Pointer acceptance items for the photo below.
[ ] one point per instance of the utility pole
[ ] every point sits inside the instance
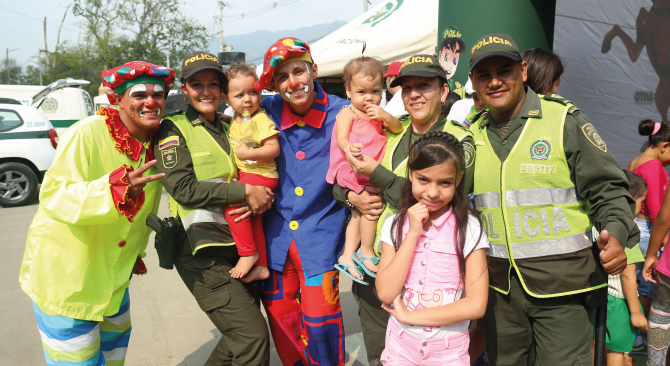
(222, 47)
(221, 26)
(167, 56)
(365, 6)
(7, 51)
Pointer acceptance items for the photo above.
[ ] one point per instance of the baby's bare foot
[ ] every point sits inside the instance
(256, 273)
(243, 266)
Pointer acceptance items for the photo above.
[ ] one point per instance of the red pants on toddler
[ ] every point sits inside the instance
(248, 233)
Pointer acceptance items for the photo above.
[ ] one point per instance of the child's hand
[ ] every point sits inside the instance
(356, 150)
(418, 215)
(650, 267)
(399, 310)
(376, 112)
(639, 321)
(242, 151)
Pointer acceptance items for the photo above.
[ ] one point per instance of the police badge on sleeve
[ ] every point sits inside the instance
(594, 137)
(469, 152)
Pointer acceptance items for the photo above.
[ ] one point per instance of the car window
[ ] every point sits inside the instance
(89, 103)
(9, 120)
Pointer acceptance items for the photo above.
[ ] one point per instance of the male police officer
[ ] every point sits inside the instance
(543, 178)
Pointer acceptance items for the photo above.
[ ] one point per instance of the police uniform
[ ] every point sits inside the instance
(389, 177)
(195, 156)
(540, 187)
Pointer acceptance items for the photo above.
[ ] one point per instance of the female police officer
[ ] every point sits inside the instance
(194, 153)
(424, 90)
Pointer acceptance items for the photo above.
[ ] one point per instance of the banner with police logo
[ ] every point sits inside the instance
(617, 66)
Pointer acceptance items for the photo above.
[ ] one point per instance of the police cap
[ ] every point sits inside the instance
(198, 61)
(494, 45)
(425, 66)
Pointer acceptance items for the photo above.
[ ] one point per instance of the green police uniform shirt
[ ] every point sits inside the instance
(390, 184)
(596, 175)
(180, 181)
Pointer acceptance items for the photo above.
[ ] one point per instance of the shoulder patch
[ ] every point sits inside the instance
(470, 154)
(459, 125)
(169, 157)
(556, 98)
(168, 141)
(594, 137)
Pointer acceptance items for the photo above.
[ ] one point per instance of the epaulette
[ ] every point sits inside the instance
(572, 109)
(479, 115)
(404, 117)
(459, 125)
(556, 98)
(173, 113)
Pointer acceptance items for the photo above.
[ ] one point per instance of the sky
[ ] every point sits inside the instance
(21, 22)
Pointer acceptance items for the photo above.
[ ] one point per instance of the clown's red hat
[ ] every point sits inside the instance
(285, 50)
(118, 79)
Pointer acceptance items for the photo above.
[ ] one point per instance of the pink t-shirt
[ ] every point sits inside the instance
(657, 183)
(433, 278)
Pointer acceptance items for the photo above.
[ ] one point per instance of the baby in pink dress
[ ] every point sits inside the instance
(360, 127)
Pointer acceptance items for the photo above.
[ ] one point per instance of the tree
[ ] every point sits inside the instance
(119, 31)
(14, 72)
(126, 30)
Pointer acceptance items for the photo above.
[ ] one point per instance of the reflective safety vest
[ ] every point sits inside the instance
(529, 206)
(392, 142)
(204, 227)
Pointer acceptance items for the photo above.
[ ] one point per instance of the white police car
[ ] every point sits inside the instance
(27, 147)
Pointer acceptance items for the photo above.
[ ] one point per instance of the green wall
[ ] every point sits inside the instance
(529, 22)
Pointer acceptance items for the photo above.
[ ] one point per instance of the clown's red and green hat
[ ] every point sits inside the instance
(287, 49)
(119, 79)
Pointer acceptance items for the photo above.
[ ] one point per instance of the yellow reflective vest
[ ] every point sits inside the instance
(535, 221)
(204, 227)
(392, 142)
(80, 250)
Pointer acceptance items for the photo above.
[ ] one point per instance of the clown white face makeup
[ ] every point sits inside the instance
(294, 81)
(141, 109)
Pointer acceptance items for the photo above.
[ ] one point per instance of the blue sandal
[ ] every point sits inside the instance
(359, 258)
(344, 268)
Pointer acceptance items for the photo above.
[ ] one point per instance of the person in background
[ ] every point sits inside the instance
(201, 178)
(544, 70)
(650, 166)
(659, 315)
(89, 234)
(543, 178)
(452, 99)
(394, 107)
(462, 107)
(624, 312)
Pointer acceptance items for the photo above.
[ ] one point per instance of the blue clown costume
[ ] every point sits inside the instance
(305, 228)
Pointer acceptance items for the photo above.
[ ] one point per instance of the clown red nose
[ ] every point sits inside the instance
(294, 84)
(150, 104)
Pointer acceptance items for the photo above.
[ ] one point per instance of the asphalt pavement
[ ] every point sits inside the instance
(168, 326)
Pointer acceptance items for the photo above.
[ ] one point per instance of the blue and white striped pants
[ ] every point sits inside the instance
(74, 342)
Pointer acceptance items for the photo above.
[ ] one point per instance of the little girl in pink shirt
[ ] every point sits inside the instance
(359, 127)
(433, 265)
